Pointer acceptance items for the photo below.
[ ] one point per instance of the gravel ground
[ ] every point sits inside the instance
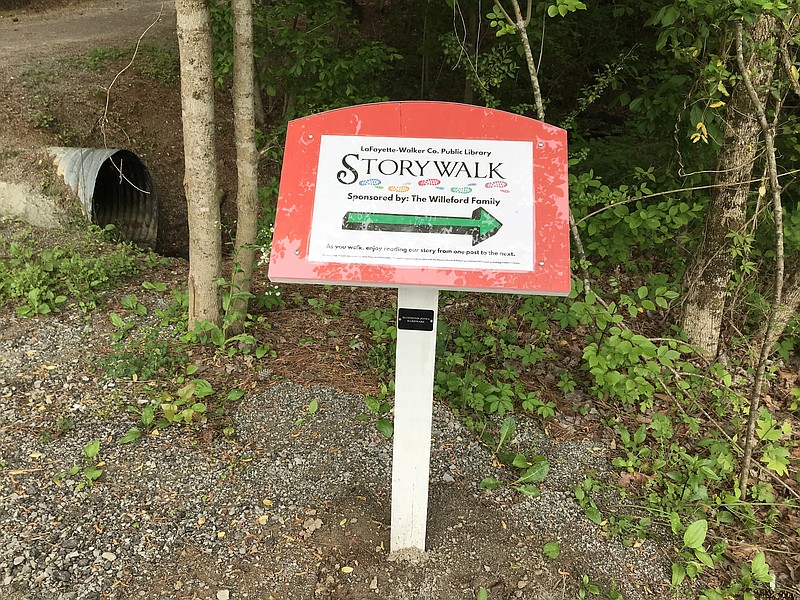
(279, 511)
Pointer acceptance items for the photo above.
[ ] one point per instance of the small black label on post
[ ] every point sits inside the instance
(415, 319)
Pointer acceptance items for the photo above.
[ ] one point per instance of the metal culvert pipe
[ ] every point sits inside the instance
(114, 188)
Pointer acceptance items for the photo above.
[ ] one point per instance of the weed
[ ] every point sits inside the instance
(181, 407)
(98, 57)
(582, 493)
(158, 63)
(754, 576)
(551, 550)
(88, 471)
(380, 406)
(143, 353)
(529, 472)
(44, 120)
(205, 332)
(588, 587)
(693, 555)
(44, 280)
(61, 426)
(311, 409)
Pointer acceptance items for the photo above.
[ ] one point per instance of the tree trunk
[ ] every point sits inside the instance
(788, 306)
(706, 279)
(200, 179)
(246, 157)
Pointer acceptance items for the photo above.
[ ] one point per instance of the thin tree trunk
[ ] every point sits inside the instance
(785, 309)
(246, 157)
(471, 42)
(706, 279)
(200, 179)
(521, 27)
(777, 211)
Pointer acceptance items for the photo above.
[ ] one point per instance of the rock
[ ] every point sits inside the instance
(109, 556)
(223, 595)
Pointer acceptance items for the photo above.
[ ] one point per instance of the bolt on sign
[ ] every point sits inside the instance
(422, 196)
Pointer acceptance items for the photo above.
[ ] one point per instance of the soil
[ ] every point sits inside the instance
(295, 503)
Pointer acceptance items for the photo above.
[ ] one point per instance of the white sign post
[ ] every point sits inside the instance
(413, 411)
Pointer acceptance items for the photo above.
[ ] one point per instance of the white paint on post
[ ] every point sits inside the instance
(413, 409)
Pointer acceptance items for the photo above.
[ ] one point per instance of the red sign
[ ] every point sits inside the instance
(431, 194)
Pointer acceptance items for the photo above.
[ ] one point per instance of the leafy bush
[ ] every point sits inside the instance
(310, 55)
(44, 280)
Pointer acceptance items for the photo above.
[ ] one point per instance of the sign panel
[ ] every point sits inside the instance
(423, 193)
(424, 203)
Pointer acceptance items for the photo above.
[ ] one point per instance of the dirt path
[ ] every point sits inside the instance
(25, 36)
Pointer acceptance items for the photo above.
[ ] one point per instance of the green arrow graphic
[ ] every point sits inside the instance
(481, 225)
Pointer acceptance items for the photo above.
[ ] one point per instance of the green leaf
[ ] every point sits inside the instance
(725, 517)
(372, 404)
(704, 558)
(529, 490)
(133, 434)
(760, 569)
(695, 534)
(116, 320)
(489, 483)
(594, 515)
(385, 427)
(675, 522)
(551, 549)
(313, 406)
(202, 388)
(482, 594)
(552, 10)
(640, 435)
(234, 395)
(148, 414)
(217, 337)
(91, 449)
(520, 462)
(92, 473)
(506, 431)
(536, 472)
(678, 574)
(776, 458)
